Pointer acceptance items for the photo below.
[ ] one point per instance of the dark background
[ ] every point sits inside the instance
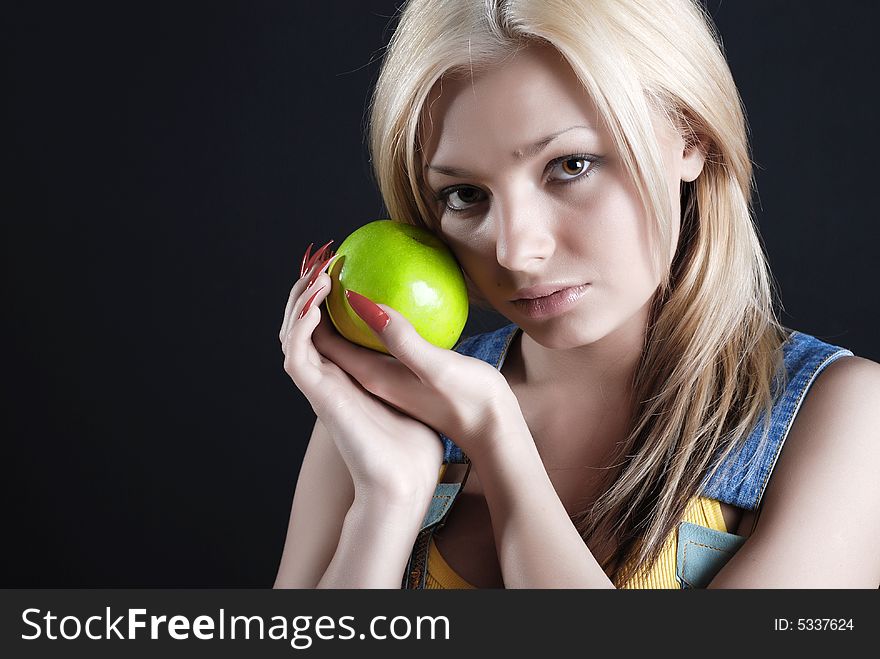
(166, 166)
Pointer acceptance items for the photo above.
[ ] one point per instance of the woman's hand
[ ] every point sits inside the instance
(463, 397)
(388, 453)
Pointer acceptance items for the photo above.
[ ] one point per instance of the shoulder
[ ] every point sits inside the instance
(820, 519)
(839, 422)
(841, 416)
(846, 378)
(848, 371)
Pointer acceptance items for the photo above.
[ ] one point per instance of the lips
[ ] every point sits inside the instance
(542, 290)
(551, 303)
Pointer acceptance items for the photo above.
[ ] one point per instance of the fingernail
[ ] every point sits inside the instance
(368, 310)
(328, 264)
(323, 267)
(302, 267)
(315, 275)
(308, 304)
(316, 257)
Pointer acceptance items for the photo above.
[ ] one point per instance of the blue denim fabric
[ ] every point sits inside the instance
(702, 552)
(740, 480)
(743, 477)
(441, 502)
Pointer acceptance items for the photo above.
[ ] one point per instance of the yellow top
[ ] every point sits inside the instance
(701, 510)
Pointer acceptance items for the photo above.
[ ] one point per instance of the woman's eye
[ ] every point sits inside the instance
(459, 199)
(572, 166)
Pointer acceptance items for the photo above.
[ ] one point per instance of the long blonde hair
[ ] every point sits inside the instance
(712, 342)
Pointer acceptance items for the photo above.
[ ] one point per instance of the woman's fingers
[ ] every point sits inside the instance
(423, 358)
(373, 370)
(313, 269)
(311, 298)
(302, 362)
(306, 259)
(295, 291)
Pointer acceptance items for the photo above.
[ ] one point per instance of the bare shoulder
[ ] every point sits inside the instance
(820, 520)
(840, 415)
(849, 372)
(841, 411)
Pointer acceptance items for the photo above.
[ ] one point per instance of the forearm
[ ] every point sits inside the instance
(537, 543)
(375, 544)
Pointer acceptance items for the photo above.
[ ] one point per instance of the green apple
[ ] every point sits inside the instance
(407, 268)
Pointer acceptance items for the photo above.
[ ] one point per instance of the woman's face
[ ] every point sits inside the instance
(531, 193)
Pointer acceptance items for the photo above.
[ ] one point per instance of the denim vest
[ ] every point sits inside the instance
(740, 480)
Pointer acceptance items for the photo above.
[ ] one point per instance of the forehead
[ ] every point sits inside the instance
(528, 95)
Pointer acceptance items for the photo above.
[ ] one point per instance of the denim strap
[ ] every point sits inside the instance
(743, 477)
(438, 511)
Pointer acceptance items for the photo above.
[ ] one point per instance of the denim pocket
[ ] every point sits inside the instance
(702, 552)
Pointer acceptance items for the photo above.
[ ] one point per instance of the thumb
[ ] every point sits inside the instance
(396, 333)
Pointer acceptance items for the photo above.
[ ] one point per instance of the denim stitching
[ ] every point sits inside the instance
(503, 354)
(419, 557)
(803, 392)
(417, 567)
(684, 557)
(419, 560)
(755, 472)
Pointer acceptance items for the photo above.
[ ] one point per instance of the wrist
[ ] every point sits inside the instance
(506, 435)
(405, 507)
(399, 488)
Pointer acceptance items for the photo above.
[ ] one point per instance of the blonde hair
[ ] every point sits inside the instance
(712, 342)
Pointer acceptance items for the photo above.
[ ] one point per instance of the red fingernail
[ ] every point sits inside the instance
(324, 261)
(368, 310)
(321, 267)
(302, 267)
(316, 257)
(308, 304)
(316, 274)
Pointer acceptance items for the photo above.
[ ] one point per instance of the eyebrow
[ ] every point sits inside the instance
(528, 151)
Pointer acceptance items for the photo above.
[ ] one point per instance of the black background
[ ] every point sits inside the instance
(166, 166)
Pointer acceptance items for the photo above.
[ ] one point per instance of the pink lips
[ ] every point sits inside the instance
(552, 304)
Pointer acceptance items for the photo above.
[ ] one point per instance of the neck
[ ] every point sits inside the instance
(578, 403)
(604, 368)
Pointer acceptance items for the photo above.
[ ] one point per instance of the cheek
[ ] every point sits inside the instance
(471, 249)
(621, 239)
(457, 237)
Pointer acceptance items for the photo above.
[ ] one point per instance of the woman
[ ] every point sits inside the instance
(588, 164)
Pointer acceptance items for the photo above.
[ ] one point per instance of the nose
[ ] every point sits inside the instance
(524, 233)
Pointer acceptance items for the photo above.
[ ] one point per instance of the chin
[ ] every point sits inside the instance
(563, 332)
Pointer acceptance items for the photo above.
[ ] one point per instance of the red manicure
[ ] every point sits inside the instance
(368, 310)
(316, 257)
(315, 275)
(308, 304)
(320, 269)
(302, 268)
